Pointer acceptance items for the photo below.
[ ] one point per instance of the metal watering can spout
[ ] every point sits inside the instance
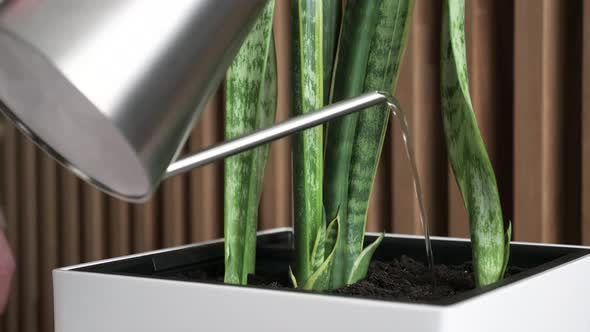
(111, 89)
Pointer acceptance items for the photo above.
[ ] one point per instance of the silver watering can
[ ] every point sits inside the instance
(111, 89)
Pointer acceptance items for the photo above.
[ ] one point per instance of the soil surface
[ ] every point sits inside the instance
(403, 279)
(409, 280)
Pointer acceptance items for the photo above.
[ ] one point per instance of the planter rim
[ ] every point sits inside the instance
(456, 300)
(164, 250)
(290, 229)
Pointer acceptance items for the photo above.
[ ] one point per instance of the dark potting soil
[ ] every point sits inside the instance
(403, 279)
(409, 280)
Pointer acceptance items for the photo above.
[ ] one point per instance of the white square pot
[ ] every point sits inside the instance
(137, 293)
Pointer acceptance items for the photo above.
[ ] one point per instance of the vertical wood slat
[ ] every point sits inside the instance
(145, 230)
(11, 199)
(29, 287)
(119, 240)
(528, 178)
(70, 215)
(585, 190)
(48, 237)
(427, 126)
(173, 202)
(93, 224)
(552, 123)
(418, 92)
(547, 117)
(172, 198)
(569, 84)
(403, 210)
(276, 205)
(205, 194)
(503, 96)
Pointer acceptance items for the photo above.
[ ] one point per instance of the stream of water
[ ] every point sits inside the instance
(409, 145)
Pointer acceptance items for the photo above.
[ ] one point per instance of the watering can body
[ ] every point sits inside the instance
(112, 88)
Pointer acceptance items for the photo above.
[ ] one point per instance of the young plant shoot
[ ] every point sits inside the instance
(372, 39)
(467, 154)
(251, 95)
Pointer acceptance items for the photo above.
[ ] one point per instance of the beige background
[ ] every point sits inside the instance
(530, 83)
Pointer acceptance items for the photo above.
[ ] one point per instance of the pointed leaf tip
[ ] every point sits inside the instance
(320, 279)
(292, 278)
(507, 248)
(317, 253)
(361, 264)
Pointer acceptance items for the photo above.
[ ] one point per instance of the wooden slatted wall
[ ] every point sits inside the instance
(530, 83)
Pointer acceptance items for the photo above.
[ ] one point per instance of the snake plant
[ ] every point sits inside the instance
(467, 154)
(334, 167)
(251, 94)
(358, 26)
(371, 41)
(314, 26)
(387, 48)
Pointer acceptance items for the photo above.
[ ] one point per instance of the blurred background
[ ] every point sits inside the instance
(529, 66)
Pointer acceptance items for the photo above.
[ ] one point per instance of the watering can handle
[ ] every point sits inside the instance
(277, 131)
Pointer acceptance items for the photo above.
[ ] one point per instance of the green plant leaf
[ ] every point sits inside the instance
(466, 151)
(320, 279)
(507, 248)
(332, 234)
(264, 119)
(292, 278)
(385, 56)
(332, 10)
(324, 245)
(317, 254)
(361, 264)
(358, 26)
(251, 92)
(311, 63)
